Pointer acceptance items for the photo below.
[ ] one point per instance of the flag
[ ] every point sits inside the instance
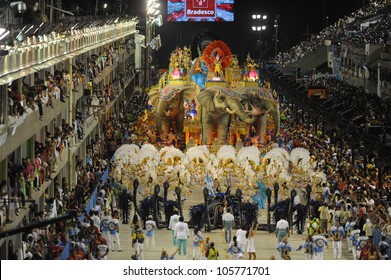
(158, 42)
(155, 43)
(209, 185)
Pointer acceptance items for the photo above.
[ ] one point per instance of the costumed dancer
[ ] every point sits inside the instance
(319, 241)
(337, 233)
(348, 229)
(284, 248)
(150, 226)
(193, 111)
(206, 248)
(105, 227)
(362, 244)
(103, 251)
(114, 232)
(260, 196)
(234, 249)
(197, 239)
(307, 245)
(354, 236)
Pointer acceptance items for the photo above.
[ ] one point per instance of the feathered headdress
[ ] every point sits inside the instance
(148, 152)
(217, 50)
(226, 154)
(300, 159)
(172, 156)
(248, 154)
(127, 148)
(197, 154)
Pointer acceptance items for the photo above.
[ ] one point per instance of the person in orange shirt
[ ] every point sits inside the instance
(77, 253)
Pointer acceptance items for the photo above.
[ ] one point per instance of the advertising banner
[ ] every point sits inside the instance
(200, 10)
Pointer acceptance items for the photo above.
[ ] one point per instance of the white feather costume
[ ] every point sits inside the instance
(301, 160)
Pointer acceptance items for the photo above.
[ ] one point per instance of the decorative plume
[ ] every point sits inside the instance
(217, 50)
(248, 154)
(226, 154)
(148, 152)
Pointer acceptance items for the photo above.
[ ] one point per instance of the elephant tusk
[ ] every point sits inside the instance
(167, 113)
(255, 112)
(230, 111)
(250, 120)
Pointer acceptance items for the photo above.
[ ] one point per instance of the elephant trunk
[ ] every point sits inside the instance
(244, 118)
(167, 112)
(256, 112)
(234, 106)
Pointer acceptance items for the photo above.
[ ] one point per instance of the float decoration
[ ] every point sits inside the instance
(217, 57)
(251, 70)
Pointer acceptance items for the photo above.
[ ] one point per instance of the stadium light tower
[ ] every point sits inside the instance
(276, 36)
(259, 27)
(152, 12)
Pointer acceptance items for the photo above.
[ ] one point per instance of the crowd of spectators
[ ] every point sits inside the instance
(371, 106)
(48, 242)
(23, 179)
(27, 99)
(352, 187)
(377, 34)
(338, 29)
(85, 234)
(33, 172)
(354, 66)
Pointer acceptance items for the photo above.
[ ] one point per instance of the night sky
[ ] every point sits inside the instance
(293, 21)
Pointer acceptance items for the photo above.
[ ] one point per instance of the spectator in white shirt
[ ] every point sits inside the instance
(282, 229)
(174, 219)
(181, 234)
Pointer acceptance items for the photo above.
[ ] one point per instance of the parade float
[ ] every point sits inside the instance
(204, 110)
(212, 97)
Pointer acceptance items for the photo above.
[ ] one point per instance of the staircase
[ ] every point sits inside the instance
(312, 60)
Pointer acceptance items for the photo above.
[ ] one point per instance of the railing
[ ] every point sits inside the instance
(22, 60)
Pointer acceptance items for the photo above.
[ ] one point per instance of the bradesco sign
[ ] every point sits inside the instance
(201, 8)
